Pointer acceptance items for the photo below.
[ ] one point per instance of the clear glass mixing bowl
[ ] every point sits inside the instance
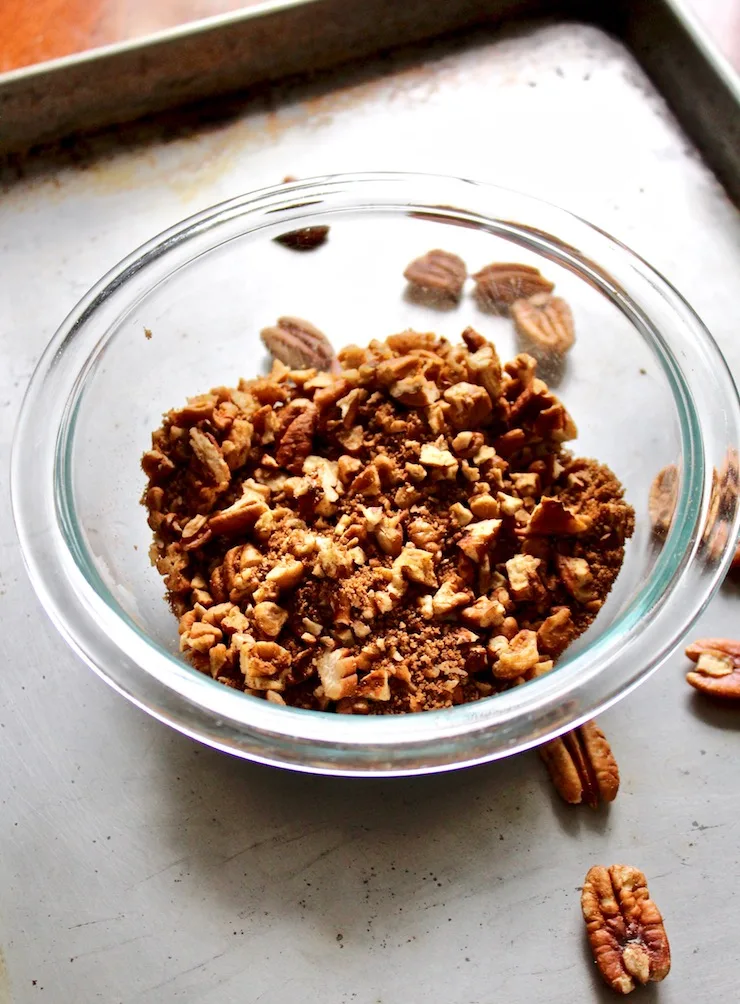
(645, 383)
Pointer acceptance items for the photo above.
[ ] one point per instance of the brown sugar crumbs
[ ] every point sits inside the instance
(405, 534)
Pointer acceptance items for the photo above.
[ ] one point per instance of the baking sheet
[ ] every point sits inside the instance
(136, 866)
(273, 39)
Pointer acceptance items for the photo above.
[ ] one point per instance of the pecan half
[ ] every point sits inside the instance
(717, 670)
(500, 284)
(662, 500)
(546, 321)
(625, 928)
(582, 766)
(439, 272)
(300, 345)
(722, 504)
(305, 239)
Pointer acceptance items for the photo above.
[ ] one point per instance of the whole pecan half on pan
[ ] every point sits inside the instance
(439, 272)
(500, 284)
(582, 766)
(717, 670)
(545, 321)
(305, 239)
(299, 344)
(625, 928)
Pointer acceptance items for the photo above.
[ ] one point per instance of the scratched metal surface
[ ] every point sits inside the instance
(136, 866)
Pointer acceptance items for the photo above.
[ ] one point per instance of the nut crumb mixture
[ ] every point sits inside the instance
(405, 534)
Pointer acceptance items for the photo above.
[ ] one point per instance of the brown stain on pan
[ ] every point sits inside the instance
(191, 150)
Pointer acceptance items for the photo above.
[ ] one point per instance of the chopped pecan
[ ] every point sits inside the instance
(386, 470)
(625, 928)
(484, 506)
(286, 573)
(352, 440)
(374, 686)
(511, 441)
(663, 496)
(338, 673)
(438, 458)
(200, 637)
(502, 283)
(556, 631)
(327, 394)
(157, 466)
(484, 367)
(264, 664)
(582, 766)
(305, 239)
(478, 538)
(425, 535)
(460, 514)
(367, 482)
(449, 597)
(546, 321)
(298, 344)
(270, 618)
(484, 613)
(349, 405)
(437, 417)
(415, 391)
(551, 518)
(332, 562)
(198, 408)
(347, 468)
(238, 442)
(389, 371)
(467, 444)
(196, 533)
(297, 439)
(514, 657)
(411, 341)
(209, 454)
(389, 535)
(470, 405)
(415, 565)
(234, 578)
(438, 272)
(326, 472)
(527, 485)
(728, 484)
(717, 670)
(576, 577)
(240, 516)
(218, 658)
(509, 505)
(525, 584)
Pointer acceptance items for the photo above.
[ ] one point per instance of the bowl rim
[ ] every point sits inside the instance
(87, 615)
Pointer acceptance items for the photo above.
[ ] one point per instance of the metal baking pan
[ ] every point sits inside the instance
(283, 38)
(563, 111)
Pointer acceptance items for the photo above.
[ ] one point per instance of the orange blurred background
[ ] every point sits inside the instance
(32, 31)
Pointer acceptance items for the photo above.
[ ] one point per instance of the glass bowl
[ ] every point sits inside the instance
(645, 383)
